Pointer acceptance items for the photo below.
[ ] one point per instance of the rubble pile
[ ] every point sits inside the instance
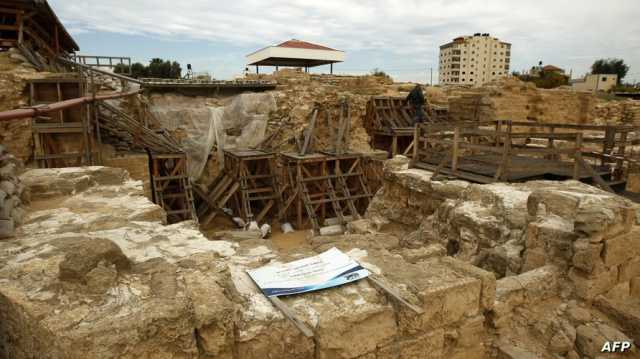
(12, 194)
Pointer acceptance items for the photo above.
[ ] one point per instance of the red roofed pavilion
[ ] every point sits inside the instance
(295, 53)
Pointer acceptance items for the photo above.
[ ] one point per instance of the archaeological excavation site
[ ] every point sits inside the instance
(293, 214)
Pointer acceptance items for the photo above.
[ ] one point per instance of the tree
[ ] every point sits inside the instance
(610, 66)
(379, 73)
(157, 68)
(546, 79)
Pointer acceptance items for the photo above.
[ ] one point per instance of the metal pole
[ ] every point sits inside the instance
(331, 67)
(431, 69)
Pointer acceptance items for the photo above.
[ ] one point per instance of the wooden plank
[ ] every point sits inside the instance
(289, 314)
(309, 133)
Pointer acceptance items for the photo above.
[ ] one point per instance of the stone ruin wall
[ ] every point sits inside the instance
(557, 242)
(511, 99)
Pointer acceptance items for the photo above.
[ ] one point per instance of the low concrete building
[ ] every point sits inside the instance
(295, 53)
(595, 82)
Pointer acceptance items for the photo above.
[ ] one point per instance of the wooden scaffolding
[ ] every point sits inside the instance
(63, 138)
(522, 151)
(326, 186)
(248, 186)
(389, 122)
(171, 187)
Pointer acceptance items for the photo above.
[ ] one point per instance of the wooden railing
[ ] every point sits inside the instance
(494, 151)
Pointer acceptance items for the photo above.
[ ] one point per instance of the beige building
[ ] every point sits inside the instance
(474, 60)
(595, 82)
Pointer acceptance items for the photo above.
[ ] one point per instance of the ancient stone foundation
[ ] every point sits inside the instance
(565, 254)
(97, 273)
(540, 270)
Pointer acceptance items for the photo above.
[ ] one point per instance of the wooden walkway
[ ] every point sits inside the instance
(496, 151)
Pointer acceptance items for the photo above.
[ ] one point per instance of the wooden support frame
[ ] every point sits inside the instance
(319, 186)
(248, 185)
(72, 127)
(171, 187)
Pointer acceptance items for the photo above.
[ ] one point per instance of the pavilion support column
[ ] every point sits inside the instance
(276, 68)
(257, 70)
(331, 68)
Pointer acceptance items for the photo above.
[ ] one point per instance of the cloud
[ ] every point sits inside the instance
(558, 32)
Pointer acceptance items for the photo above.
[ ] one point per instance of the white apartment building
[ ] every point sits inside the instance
(474, 60)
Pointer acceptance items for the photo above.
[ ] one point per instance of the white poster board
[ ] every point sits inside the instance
(328, 269)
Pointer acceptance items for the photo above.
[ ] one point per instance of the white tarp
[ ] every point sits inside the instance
(328, 269)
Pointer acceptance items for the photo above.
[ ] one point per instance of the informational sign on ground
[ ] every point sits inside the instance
(328, 269)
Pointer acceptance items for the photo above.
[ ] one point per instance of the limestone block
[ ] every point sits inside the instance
(64, 181)
(472, 333)
(488, 279)
(539, 284)
(588, 287)
(509, 294)
(352, 331)
(621, 248)
(533, 258)
(431, 343)
(587, 255)
(414, 255)
(559, 203)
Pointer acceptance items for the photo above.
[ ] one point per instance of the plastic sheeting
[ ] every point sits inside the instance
(197, 130)
(249, 113)
(199, 127)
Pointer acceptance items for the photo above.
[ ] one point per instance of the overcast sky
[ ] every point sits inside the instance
(400, 37)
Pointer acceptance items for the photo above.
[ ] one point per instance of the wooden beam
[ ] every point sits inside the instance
(289, 314)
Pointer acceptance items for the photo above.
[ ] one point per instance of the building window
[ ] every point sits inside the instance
(493, 73)
(471, 72)
(604, 78)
